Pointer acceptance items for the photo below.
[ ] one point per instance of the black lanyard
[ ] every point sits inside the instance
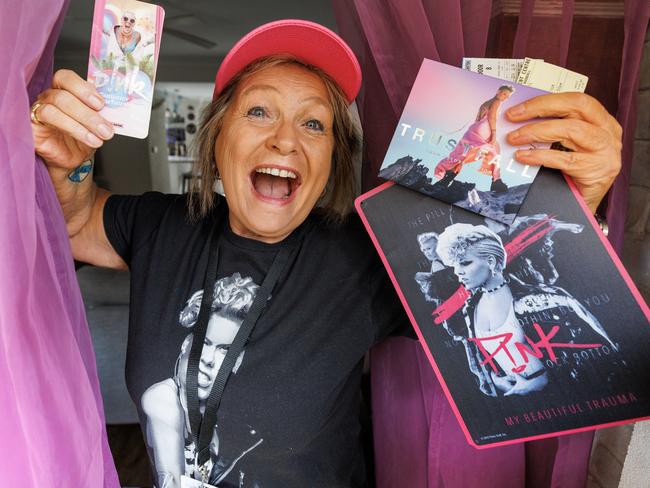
(203, 426)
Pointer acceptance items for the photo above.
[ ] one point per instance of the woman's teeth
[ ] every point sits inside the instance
(282, 173)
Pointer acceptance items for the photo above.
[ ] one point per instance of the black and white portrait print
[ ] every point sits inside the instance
(504, 280)
(531, 327)
(168, 432)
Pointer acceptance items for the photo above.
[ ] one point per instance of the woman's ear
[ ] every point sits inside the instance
(492, 264)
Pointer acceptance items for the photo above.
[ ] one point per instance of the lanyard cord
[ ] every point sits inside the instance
(198, 336)
(203, 426)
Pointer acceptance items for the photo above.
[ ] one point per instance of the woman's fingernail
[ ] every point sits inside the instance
(105, 131)
(96, 102)
(517, 110)
(93, 140)
(523, 154)
(514, 135)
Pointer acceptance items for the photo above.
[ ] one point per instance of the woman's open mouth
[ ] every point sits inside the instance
(275, 184)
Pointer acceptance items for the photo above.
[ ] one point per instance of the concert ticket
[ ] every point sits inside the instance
(506, 69)
(555, 79)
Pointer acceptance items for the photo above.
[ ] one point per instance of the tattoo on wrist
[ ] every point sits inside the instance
(81, 172)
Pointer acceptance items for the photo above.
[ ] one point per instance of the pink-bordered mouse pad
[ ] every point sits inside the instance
(533, 329)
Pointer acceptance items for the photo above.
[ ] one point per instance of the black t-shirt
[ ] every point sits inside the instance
(289, 416)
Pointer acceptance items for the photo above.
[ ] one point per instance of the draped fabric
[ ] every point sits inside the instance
(417, 439)
(637, 15)
(51, 414)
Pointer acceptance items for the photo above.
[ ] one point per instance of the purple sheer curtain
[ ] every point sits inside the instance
(417, 439)
(51, 414)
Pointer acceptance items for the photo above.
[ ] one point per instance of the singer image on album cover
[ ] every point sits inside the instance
(478, 143)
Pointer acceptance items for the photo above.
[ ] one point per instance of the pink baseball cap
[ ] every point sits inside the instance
(307, 41)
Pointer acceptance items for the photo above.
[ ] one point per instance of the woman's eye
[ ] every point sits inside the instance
(314, 124)
(256, 112)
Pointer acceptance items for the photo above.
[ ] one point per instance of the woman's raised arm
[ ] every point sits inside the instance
(67, 129)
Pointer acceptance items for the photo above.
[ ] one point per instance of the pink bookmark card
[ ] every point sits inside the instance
(124, 48)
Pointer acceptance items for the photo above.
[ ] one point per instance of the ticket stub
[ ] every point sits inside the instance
(124, 47)
(506, 69)
(555, 79)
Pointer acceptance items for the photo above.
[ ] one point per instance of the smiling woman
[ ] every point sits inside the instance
(319, 142)
(281, 247)
(269, 128)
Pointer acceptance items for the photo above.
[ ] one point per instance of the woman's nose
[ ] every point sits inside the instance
(285, 138)
(207, 355)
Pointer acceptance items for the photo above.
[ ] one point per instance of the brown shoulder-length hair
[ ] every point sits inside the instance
(336, 201)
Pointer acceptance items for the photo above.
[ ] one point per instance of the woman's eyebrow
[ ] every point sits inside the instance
(315, 98)
(265, 87)
(259, 87)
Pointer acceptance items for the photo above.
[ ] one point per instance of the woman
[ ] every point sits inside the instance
(478, 142)
(279, 135)
(496, 310)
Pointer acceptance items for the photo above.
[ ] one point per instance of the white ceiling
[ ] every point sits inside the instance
(217, 21)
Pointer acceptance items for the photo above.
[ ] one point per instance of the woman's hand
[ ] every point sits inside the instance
(585, 127)
(71, 129)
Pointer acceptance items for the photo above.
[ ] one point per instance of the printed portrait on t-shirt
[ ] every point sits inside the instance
(168, 432)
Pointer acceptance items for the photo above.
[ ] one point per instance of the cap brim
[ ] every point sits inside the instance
(308, 42)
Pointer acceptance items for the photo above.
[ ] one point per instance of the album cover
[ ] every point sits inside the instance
(124, 47)
(450, 142)
(533, 329)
